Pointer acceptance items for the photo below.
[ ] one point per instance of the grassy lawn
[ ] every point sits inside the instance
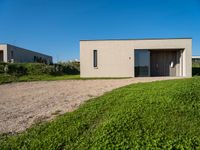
(9, 78)
(157, 115)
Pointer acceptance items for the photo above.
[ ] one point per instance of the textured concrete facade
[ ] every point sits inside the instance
(21, 55)
(116, 57)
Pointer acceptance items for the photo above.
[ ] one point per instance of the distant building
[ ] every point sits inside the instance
(10, 53)
(195, 58)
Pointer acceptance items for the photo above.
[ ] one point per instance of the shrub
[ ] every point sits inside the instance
(56, 69)
(17, 69)
(2, 67)
(196, 68)
(196, 71)
(70, 67)
(37, 68)
(32, 69)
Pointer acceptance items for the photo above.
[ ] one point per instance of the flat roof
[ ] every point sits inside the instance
(137, 39)
(25, 49)
(196, 57)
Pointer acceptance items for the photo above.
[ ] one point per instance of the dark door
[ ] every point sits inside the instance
(163, 62)
(1, 56)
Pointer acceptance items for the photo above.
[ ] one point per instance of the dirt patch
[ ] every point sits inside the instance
(23, 104)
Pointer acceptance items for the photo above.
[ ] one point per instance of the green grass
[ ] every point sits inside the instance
(27, 78)
(9, 78)
(157, 115)
(48, 77)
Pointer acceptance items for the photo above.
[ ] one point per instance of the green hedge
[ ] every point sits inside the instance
(196, 71)
(196, 68)
(70, 67)
(16, 69)
(37, 68)
(20, 69)
(2, 67)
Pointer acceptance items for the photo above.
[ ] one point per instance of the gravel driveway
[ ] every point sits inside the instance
(23, 104)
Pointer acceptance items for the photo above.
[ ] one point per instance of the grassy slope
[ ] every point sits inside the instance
(163, 115)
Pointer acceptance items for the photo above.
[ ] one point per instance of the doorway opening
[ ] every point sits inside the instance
(158, 62)
(1, 56)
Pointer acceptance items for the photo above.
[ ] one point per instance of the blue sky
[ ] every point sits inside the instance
(55, 27)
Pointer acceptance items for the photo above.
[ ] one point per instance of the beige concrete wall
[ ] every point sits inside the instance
(3, 47)
(116, 57)
(24, 55)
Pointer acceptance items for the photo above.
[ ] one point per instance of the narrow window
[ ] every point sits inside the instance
(12, 54)
(34, 58)
(95, 58)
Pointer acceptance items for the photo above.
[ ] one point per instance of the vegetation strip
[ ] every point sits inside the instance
(24, 72)
(164, 115)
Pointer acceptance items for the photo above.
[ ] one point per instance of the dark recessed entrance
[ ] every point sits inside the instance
(158, 62)
(1, 56)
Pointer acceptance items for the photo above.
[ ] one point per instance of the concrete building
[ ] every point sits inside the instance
(10, 53)
(136, 57)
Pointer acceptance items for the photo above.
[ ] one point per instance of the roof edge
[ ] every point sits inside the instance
(137, 39)
(196, 56)
(26, 49)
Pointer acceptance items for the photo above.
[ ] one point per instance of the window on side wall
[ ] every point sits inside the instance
(95, 58)
(35, 59)
(12, 54)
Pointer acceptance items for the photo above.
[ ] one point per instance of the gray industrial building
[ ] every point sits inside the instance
(11, 53)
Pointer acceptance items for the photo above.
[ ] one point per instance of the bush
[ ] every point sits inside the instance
(70, 67)
(17, 69)
(56, 69)
(20, 69)
(41, 69)
(196, 68)
(37, 68)
(2, 67)
(196, 71)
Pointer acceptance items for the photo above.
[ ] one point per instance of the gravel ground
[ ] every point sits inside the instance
(23, 104)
